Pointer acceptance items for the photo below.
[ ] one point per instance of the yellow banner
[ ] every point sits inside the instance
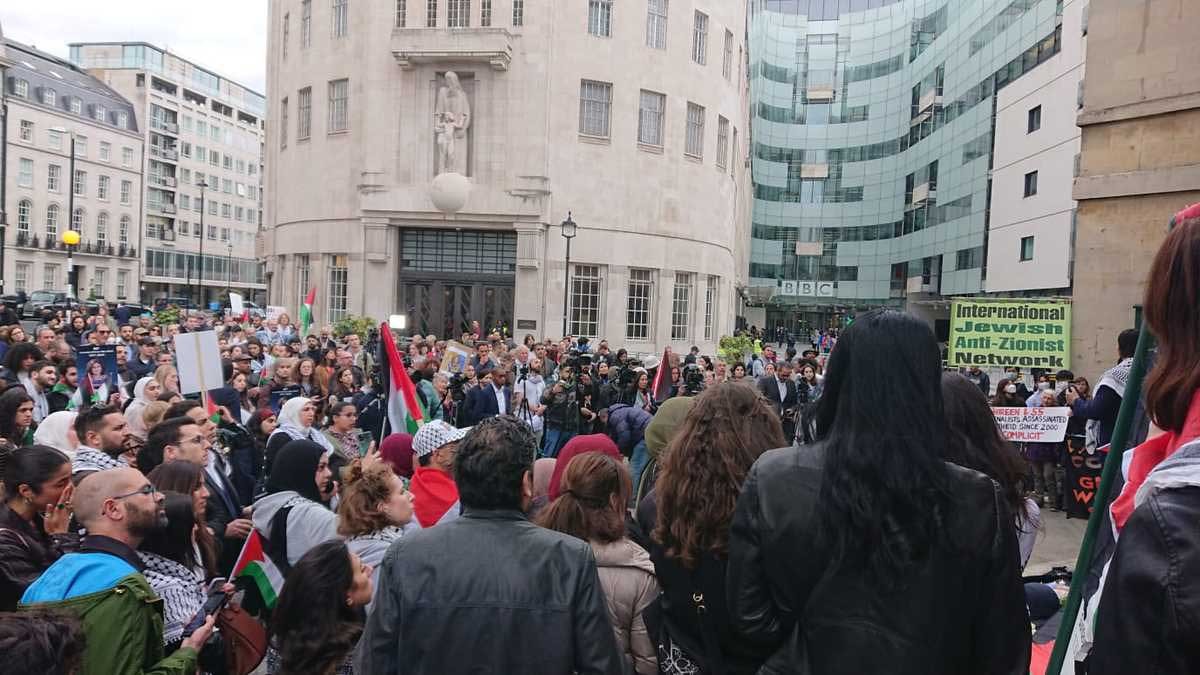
(1010, 333)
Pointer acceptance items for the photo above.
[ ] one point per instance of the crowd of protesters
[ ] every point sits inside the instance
(563, 507)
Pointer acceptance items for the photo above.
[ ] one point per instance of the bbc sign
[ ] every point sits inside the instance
(808, 289)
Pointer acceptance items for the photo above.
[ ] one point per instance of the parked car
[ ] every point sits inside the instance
(182, 303)
(40, 301)
(252, 309)
(135, 308)
(15, 301)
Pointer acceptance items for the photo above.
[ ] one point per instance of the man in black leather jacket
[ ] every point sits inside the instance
(490, 591)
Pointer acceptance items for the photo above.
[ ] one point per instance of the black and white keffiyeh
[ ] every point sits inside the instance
(181, 590)
(88, 459)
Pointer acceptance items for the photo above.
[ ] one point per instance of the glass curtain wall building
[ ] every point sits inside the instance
(872, 129)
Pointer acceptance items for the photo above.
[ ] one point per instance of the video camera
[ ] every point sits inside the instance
(693, 379)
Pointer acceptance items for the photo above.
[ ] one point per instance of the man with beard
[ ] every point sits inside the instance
(61, 394)
(102, 583)
(101, 431)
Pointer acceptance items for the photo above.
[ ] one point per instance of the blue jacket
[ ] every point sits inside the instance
(627, 426)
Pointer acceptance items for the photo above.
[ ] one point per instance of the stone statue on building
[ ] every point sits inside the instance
(451, 120)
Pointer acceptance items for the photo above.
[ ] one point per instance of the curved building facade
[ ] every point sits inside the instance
(629, 117)
(873, 126)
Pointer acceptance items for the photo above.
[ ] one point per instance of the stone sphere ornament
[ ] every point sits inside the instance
(449, 192)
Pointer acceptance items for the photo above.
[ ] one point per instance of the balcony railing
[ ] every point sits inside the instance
(85, 246)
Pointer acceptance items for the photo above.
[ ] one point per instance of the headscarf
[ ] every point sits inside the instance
(255, 424)
(133, 413)
(666, 422)
(578, 446)
(397, 451)
(543, 470)
(53, 432)
(295, 470)
(289, 423)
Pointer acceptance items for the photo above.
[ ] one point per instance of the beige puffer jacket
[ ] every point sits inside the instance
(627, 576)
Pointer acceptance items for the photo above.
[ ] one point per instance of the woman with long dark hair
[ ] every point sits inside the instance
(976, 443)
(591, 506)
(186, 478)
(866, 552)
(172, 569)
(1151, 593)
(1007, 395)
(35, 517)
(319, 616)
(688, 515)
(16, 417)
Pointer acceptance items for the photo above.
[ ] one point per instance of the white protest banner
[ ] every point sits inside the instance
(457, 355)
(273, 311)
(1033, 425)
(235, 304)
(199, 362)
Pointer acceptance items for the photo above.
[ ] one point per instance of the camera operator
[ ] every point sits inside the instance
(561, 414)
(527, 395)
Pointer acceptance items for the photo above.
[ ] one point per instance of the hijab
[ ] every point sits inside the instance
(289, 423)
(295, 470)
(133, 413)
(397, 451)
(666, 422)
(578, 446)
(54, 430)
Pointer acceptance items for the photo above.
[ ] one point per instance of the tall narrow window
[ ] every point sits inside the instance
(595, 104)
(287, 21)
(339, 276)
(123, 231)
(25, 173)
(341, 18)
(102, 187)
(21, 278)
(304, 113)
(585, 301)
(700, 39)
(431, 7)
(695, 131)
(77, 219)
(339, 105)
(518, 18)
(50, 278)
(122, 282)
(401, 13)
(305, 24)
(24, 216)
(710, 307)
(26, 133)
(458, 13)
(126, 191)
(80, 183)
(727, 59)
(283, 122)
(1026, 249)
(638, 304)
(52, 222)
(302, 275)
(102, 229)
(1035, 119)
(722, 142)
(485, 13)
(656, 24)
(681, 308)
(1031, 183)
(54, 178)
(600, 17)
(650, 117)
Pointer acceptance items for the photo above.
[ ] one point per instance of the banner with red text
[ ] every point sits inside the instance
(1033, 425)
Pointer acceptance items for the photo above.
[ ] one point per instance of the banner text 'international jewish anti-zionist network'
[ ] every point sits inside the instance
(1010, 333)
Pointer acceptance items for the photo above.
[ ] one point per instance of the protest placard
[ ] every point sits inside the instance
(97, 368)
(1008, 333)
(199, 362)
(1033, 425)
(273, 311)
(457, 355)
(235, 304)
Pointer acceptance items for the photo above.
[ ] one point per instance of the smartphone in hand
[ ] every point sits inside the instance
(364, 442)
(216, 602)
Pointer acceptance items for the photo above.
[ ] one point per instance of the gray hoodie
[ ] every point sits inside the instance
(308, 524)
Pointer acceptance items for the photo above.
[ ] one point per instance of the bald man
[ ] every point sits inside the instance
(121, 616)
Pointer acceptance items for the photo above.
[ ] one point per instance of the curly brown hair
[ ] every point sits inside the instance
(595, 489)
(704, 466)
(364, 491)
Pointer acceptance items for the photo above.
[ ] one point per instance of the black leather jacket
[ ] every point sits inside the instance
(488, 592)
(962, 610)
(1149, 615)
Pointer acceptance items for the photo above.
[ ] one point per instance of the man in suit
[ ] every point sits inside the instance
(780, 390)
(490, 399)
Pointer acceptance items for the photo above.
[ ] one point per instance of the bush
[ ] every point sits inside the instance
(734, 349)
(167, 315)
(357, 325)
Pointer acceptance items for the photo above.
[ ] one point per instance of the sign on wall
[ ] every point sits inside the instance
(1010, 333)
(809, 289)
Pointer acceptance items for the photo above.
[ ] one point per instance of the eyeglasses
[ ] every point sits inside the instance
(146, 489)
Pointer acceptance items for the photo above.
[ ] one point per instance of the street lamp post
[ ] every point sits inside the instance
(229, 271)
(70, 237)
(569, 230)
(203, 236)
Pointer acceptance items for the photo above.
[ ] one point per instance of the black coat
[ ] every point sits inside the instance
(224, 506)
(481, 404)
(532, 605)
(960, 610)
(1148, 616)
(770, 388)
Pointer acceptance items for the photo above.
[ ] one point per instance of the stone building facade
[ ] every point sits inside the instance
(629, 117)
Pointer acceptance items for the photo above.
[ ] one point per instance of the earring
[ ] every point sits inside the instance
(349, 602)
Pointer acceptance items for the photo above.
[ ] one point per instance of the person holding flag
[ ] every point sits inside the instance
(404, 412)
(306, 311)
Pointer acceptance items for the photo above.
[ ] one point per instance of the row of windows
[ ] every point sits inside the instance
(159, 201)
(182, 265)
(54, 179)
(595, 120)
(47, 96)
(915, 220)
(337, 106)
(586, 301)
(52, 224)
(57, 139)
(54, 277)
(212, 131)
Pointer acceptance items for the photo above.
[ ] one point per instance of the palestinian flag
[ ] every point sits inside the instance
(403, 408)
(210, 409)
(306, 311)
(254, 565)
(661, 388)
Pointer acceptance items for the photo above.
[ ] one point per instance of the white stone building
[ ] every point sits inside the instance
(629, 116)
(1031, 231)
(201, 129)
(50, 102)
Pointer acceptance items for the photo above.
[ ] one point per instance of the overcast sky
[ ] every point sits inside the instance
(228, 37)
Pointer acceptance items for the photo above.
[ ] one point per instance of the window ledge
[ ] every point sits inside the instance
(340, 132)
(646, 147)
(596, 140)
(698, 159)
